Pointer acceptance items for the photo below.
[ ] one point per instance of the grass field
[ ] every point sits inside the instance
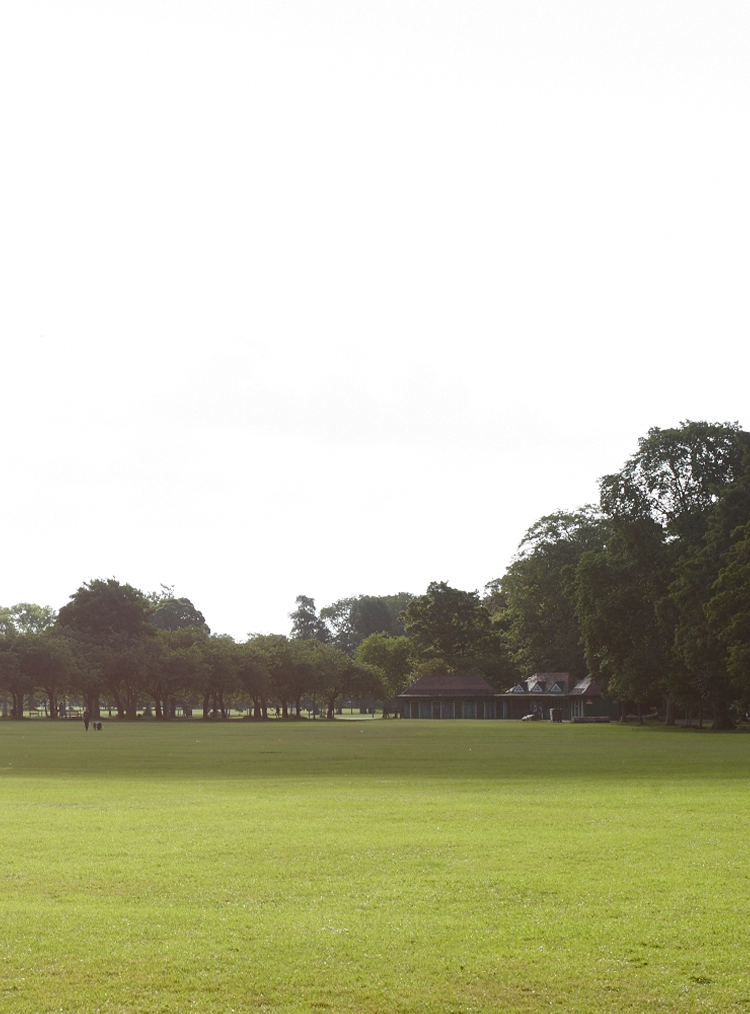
(373, 866)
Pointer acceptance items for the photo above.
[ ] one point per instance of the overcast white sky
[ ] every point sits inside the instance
(335, 298)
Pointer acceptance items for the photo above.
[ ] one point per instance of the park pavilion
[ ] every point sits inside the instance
(560, 691)
(448, 697)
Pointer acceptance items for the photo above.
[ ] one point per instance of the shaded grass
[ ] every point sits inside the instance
(405, 866)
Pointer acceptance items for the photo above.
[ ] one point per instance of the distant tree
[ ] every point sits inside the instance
(286, 680)
(218, 678)
(349, 621)
(533, 604)
(107, 607)
(396, 605)
(173, 614)
(728, 608)
(391, 656)
(340, 630)
(628, 648)
(113, 619)
(640, 600)
(306, 624)
(87, 679)
(711, 602)
(339, 677)
(172, 662)
(14, 681)
(675, 477)
(46, 663)
(26, 618)
(253, 673)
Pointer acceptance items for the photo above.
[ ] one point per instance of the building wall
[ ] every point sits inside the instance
(437, 708)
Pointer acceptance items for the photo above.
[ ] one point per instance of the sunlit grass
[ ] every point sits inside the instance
(373, 866)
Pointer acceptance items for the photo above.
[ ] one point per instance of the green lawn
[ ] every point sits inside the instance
(373, 866)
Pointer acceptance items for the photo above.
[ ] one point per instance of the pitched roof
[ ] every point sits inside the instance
(587, 687)
(556, 683)
(450, 686)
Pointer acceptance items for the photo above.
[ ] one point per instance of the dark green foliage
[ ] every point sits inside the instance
(107, 607)
(454, 629)
(173, 614)
(534, 602)
(393, 657)
(728, 609)
(616, 588)
(676, 476)
(349, 621)
(26, 618)
(306, 624)
(642, 601)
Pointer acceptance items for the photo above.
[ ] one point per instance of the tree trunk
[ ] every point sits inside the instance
(50, 693)
(118, 704)
(669, 712)
(722, 718)
(206, 702)
(640, 715)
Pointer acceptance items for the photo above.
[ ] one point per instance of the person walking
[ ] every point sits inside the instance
(86, 720)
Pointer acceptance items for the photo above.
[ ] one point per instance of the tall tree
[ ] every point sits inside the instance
(171, 669)
(728, 608)
(454, 628)
(646, 621)
(14, 680)
(391, 656)
(675, 476)
(253, 673)
(306, 624)
(218, 679)
(339, 677)
(349, 621)
(617, 587)
(174, 614)
(534, 601)
(47, 664)
(107, 607)
(710, 596)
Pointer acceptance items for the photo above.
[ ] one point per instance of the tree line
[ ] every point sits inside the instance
(648, 591)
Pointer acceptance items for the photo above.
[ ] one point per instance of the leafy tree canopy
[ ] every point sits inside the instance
(306, 624)
(676, 476)
(173, 614)
(101, 608)
(448, 623)
(26, 618)
(534, 602)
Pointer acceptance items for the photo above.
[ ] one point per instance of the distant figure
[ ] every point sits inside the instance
(86, 720)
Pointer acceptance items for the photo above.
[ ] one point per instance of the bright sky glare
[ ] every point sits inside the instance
(338, 298)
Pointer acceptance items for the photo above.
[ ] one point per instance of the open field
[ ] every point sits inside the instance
(373, 866)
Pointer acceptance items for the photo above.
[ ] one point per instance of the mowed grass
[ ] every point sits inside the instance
(373, 866)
